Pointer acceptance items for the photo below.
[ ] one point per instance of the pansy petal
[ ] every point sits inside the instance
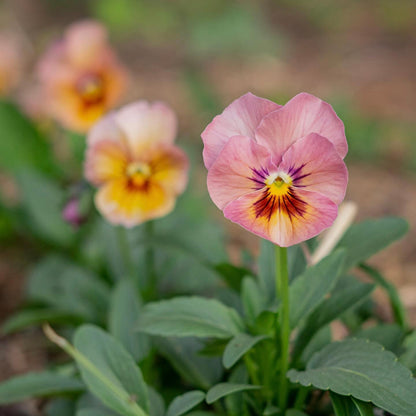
(147, 124)
(302, 115)
(86, 41)
(106, 129)
(281, 221)
(241, 167)
(314, 165)
(123, 204)
(240, 118)
(169, 166)
(105, 160)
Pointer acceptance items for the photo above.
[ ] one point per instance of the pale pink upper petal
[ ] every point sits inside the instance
(85, 42)
(147, 124)
(278, 225)
(240, 118)
(302, 115)
(315, 165)
(240, 168)
(106, 128)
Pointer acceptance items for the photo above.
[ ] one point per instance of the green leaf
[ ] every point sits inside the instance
(365, 409)
(399, 310)
(42, 201)
(21, 145)
(182, 404)
(93, 412)
(363, 370)
(224, 389)
(351, 294)
(185, 357)
(61, 407)
(190, 316)
(253, 299)
(235, 404)
(408, 358)
(109, 371)
(156, 403)
(32, 317)
(238, 346)
(343, 405)
(309, 289)
(41, 384)
(367, 238)
(124, 310)
(388, 335)
(69, 288)
(233, 275)
(295, 412)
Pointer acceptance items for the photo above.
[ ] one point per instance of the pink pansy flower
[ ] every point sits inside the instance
(132, 159)
(278, 171)
(81, 76)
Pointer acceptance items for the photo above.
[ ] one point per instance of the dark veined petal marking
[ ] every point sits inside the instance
(288, 204)
(259, 177)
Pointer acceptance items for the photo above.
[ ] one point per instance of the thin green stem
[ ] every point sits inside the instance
(301, 397)
(282, 287)
(150, 261)
(129, 269)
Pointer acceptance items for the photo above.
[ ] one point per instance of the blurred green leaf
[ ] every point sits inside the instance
(367, 238)
(124, 310)
(184, 355)
(61, 407)
(390, 336)
(42, 200)
(225, 389)
(238, 346)
(41, 384)
(182, 404)
(69, 288)
(21, 145)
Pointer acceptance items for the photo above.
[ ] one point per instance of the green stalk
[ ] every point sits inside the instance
(282, 287)
(129, 269)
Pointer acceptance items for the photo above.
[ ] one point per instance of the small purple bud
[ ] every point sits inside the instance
(72, 213)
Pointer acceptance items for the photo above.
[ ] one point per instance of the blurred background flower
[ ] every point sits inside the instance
(11, 62)
(81, 76)
(132, 159)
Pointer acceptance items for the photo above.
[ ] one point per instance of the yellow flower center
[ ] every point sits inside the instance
(138, 173)
(279, 183)
(91, 89)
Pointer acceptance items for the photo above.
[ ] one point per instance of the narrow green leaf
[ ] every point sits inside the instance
(190, 316)
(185, 357)
(182, 404)
(366, 238)
(408, 358)
(41, 384)
(343, 405)
(363, 370)
(254, 300)
(124, 310)
(365, 409)
(61, 407)
(309, 289)
(156, 403)
(295, 412)
(32, 317)
(351, 294)
(238, 346)
(110, 372)
(93, 412)
(224, 389)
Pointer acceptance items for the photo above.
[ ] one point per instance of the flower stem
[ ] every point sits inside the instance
(150, 261)
(282, 287)
(123, 241)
